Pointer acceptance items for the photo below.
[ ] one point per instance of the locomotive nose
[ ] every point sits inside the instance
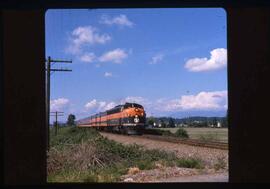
(136, 119)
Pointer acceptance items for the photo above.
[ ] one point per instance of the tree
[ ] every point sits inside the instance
(225, 120)
(171, 122)
(215, 123)
(151, 121)
(71, 120)
(163, 124)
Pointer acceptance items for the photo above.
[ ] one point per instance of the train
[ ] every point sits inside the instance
(128, 118)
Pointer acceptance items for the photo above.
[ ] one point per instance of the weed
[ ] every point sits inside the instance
(221, 163)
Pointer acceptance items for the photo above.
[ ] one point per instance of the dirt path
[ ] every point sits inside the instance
(218, 177)
(175, 174)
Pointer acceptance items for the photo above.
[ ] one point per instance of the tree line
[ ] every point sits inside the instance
(195, 121)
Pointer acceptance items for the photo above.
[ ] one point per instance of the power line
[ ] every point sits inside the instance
(49, 62)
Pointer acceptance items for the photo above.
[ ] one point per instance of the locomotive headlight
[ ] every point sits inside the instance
(136, 119)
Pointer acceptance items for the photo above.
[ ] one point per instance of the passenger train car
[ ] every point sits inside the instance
(129, 118)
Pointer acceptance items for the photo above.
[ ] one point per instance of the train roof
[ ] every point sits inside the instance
(124, 105)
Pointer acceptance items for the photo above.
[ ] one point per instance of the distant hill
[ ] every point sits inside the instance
(188, 119)
(221, 113)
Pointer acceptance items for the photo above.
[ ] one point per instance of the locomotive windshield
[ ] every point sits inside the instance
(132, 105)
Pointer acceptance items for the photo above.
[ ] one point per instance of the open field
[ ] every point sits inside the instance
(217, 134)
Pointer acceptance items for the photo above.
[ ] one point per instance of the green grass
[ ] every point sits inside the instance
(219, 134)
(83, 155)
(107, 174)
(71, 135)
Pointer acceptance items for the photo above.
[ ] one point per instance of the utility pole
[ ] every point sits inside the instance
(49, 61)
(56, 114)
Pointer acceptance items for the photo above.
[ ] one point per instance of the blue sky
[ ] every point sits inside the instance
(169, 60)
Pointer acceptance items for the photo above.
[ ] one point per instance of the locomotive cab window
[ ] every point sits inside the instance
(137, 92)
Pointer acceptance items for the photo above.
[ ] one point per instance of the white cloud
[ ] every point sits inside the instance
(99, 106)
(135, 99)
(108, 74)
(203, 101)
(85, 35)
(215, 100)
(120, 20)
(90, 105)
(58, 104)
(89, 34)
(108, 106)
(217, 60)
(115, 56)
(88, 57)
(157, 58)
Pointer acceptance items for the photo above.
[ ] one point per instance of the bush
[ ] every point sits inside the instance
(189, 163)
(126, 152)
(144, 164)
(182, 133)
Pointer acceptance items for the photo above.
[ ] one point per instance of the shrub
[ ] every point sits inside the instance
(189, 163)
(145, 164)
(126, 152)
(182, 133)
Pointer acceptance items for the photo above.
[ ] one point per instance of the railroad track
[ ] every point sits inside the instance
(193, 142)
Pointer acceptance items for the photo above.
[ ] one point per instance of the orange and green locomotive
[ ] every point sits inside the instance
(129, 118)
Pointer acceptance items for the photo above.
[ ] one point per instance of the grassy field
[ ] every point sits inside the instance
(217, 134)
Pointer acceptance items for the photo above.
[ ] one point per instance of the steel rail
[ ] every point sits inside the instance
(193, 142)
